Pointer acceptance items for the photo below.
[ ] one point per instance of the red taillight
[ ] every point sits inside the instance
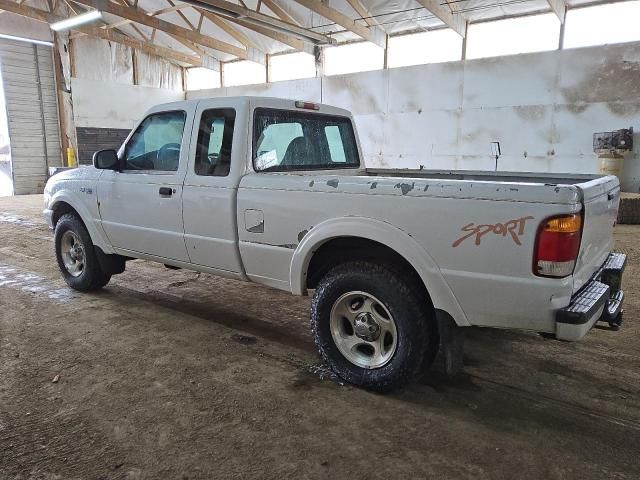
(557, 246)
(307, 105)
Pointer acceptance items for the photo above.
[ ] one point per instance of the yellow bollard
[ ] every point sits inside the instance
(71, 158)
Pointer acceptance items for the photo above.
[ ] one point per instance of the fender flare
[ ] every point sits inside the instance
(386, 234)
(94, 228)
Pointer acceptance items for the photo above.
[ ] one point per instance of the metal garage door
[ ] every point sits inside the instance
(32, 113)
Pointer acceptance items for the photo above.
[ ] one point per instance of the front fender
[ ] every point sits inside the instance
(88, 214)
(386, 234)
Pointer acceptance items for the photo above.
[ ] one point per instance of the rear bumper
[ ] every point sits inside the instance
(601, 299)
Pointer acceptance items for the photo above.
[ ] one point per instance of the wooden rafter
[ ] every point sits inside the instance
(363, 12)
(372, 34)
(200, 22)
(454, 21)
(234, 32)
(137, 16)
(183, 16)
(279, 11)
(190, 45)
(152, 14)
(294, 43)
(110, 35)
(253, 18)
(135, 27)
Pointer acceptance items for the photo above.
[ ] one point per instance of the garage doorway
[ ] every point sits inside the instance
(31, 108)
(6, 179)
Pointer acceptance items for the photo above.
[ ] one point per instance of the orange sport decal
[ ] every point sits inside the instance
(514, 227)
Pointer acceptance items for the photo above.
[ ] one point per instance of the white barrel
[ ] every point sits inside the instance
(611, 164)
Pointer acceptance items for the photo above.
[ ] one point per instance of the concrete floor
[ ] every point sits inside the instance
(170, 374)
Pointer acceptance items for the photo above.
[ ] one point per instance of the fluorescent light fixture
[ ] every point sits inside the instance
(81, 19)
(214, 9)
(277, 28)
(27, 40)
(255, 19)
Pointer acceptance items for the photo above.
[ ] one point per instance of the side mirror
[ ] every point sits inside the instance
(106, 160)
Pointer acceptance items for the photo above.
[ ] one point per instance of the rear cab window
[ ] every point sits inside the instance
(286, 140)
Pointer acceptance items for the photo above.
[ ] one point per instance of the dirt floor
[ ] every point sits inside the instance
(174, 375)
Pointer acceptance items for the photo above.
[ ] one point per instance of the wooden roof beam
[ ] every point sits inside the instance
(454, 21)
(138, 16)
(363, 12)
(234, 32)
(372, 34)
(294, 43)
(155, 13)
(169, 54)
(233, 11)
(279, 11)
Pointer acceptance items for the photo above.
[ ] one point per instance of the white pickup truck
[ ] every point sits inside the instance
(275, 192)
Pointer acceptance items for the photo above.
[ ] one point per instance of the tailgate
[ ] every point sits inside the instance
(601, 197)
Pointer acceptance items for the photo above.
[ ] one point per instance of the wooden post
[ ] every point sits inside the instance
(464, 41)
(72, 63)
(562, 24)
(134, 63)
(58, 76)
(267, 67)
(386, 52)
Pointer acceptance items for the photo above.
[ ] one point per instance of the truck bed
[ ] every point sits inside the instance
(484, 176)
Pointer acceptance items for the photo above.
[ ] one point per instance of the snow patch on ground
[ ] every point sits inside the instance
(9, 218)
(29, 282)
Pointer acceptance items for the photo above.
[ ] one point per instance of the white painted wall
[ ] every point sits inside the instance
(115, 105)
(543, 108)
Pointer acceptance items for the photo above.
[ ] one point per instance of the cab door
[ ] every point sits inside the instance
(210, 187)
(141, 205)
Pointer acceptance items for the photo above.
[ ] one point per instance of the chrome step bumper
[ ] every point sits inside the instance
(600, 300)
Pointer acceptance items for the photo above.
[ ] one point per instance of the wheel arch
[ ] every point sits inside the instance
(387, 241)
(66, 202)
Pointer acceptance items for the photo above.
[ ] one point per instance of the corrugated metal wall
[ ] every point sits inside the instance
(32, 113)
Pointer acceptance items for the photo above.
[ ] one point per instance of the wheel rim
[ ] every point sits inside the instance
(363, 330)
(72, 253)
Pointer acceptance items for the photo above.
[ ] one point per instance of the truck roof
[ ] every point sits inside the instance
(258, 101)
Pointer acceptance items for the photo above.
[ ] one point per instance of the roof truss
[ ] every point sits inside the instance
(138, 16)
(446, 13)
(110, 35)
(372, 34)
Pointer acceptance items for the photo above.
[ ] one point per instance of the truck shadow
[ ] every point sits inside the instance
(512, 380)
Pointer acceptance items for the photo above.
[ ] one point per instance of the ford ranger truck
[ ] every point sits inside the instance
(275, 192)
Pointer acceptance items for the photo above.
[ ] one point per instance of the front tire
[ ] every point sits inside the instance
(76, 255)
(371, 325)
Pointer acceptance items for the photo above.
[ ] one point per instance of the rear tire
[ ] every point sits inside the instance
(76, 255)
(371, 325)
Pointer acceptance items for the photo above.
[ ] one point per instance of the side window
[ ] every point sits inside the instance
(155, 145)
(291, 140)
(215, 137)
(336, 146)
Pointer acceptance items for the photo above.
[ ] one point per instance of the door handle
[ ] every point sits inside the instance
(165, 191)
